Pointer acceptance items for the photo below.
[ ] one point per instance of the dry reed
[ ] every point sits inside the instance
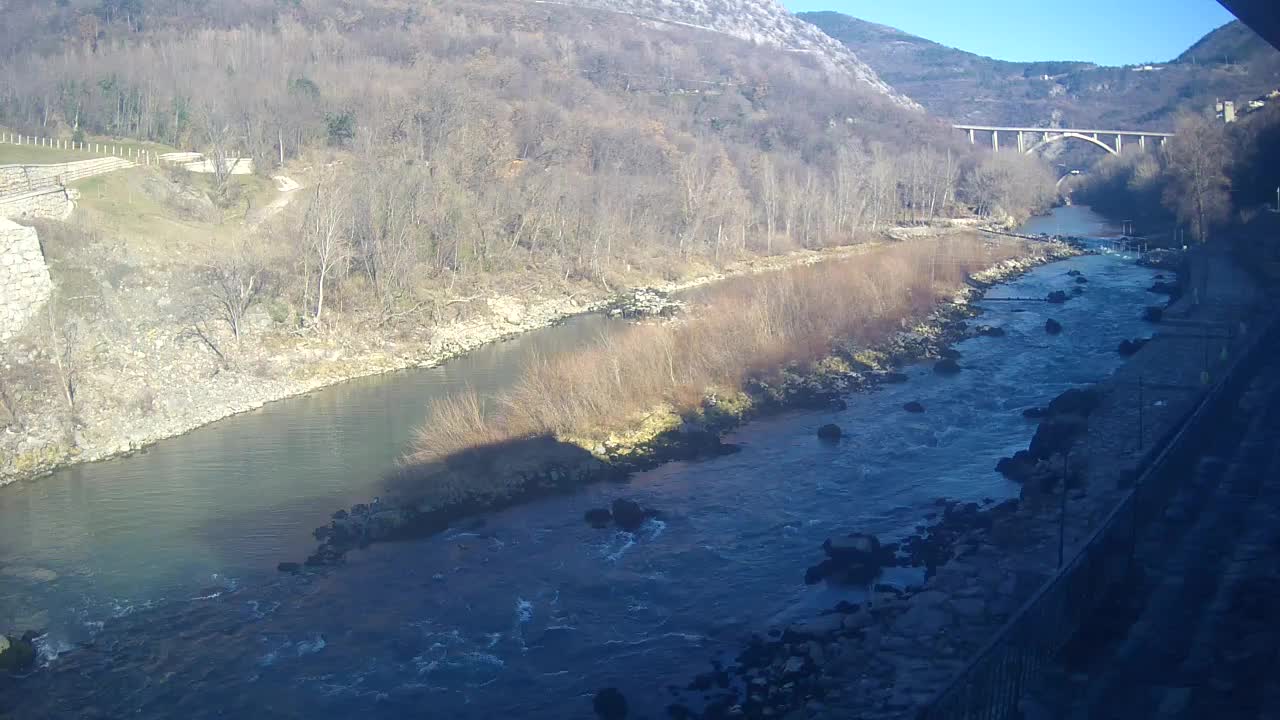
(746, 328)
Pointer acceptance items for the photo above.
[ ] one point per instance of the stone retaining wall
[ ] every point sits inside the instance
(16, 179)
(25, 285)
(52, 203)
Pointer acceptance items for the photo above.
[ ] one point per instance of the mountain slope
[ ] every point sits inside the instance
(1232, 62)
(759, 21)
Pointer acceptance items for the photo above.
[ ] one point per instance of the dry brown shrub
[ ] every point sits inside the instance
(749, 327)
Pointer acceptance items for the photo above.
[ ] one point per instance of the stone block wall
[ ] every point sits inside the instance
(25, 285)
(50, 204)
(16, 179)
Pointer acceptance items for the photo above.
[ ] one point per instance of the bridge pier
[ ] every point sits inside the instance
(1031, 139)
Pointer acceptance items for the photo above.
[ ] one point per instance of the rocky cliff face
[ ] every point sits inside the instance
(760, 21)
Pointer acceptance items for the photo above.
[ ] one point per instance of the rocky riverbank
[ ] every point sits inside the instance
(890, 655)
(514, 471)
(134, 397)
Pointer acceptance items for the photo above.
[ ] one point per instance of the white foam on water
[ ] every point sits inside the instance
(48, 649)
(309, 648)
(210, 596)
(480, 658)
(256, 611)
(655, 528)
(628, 541)
(524, 611)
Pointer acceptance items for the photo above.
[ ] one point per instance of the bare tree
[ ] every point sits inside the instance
(235, 280)
(1199, 188)
(219, 140)
(325, 246)
(64, 344)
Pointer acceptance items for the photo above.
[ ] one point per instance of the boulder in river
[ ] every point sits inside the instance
(16, 654)
(1056, 435)
(598, 518)
(830, 432)
(1131, 347)
(855, 559)
(628, 514)
(1074, 273)
(1076, 401)
(1057, 297)
(946, 366)
(1081, 280)
(292, 568)
(610, 704)
(1018, 468)
(913, 407)
(1053, 327)
(990, 331)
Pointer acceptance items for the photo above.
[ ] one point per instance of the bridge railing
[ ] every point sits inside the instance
(990, 686)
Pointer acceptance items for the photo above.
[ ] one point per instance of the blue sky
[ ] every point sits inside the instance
(1109, 32)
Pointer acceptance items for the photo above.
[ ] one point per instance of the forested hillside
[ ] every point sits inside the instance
(1231, 63)
(497, 134)
(458, 159)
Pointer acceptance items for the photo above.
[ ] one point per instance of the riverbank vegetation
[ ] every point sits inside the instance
(1209, 177)
(649, 378)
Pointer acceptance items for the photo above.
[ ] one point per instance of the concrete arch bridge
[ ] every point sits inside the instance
(1030, 140)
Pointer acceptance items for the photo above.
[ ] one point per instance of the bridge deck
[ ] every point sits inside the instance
(1126, 133)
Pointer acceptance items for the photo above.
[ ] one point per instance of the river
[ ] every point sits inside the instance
(154, 574)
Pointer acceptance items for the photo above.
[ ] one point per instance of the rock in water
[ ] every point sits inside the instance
(1130, 347)
(1074, 273)
(946, 366)
(16, 654)
(1076, 401)
(598, 518)
(291, 568)
(990, 331)
(1056, 435)
(628, 514)
(609, 704)
(913, 407)
(1082, 279)
(830, 432)
(1018, 468)
(1053, 327)
(1057, 297)
(855, 559)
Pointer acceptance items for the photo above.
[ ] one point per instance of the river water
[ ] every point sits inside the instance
(154, 574)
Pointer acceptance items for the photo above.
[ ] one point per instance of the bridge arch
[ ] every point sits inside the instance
(1075, 136)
